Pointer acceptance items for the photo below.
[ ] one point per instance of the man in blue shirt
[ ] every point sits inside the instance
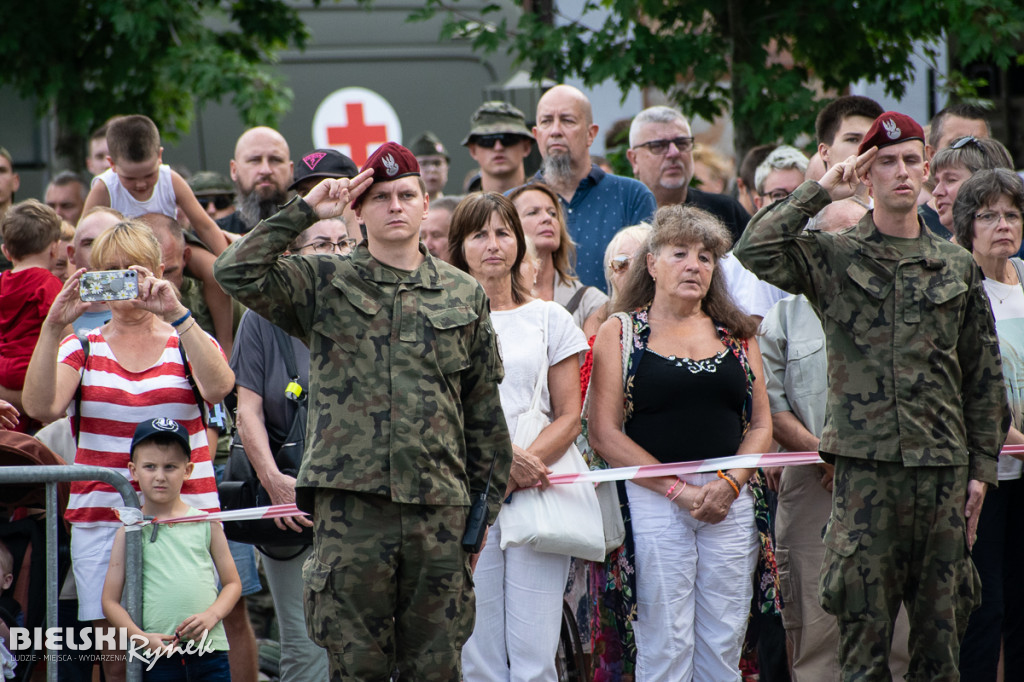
(597, 204)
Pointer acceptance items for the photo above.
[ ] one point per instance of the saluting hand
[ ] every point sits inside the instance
(329, 198)
(842, 180)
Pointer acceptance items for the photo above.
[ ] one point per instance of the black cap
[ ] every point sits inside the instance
(324, 163)
(162, 425)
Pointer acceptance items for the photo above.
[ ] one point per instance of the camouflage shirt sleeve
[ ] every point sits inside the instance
(253, 271)
(775, 247)
(486, 433)
(986, 412)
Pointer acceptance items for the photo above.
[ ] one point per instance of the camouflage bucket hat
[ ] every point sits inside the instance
(496, 117)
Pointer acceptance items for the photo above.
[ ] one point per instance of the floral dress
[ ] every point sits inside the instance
(612, 583)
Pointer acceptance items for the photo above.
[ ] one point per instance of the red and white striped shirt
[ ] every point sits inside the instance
(114, 401)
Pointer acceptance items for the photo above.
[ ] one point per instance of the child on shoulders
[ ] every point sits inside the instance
(182, 611)
(138, 182)
(31, 234)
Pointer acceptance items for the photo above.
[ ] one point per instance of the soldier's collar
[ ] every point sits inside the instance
(369, 268)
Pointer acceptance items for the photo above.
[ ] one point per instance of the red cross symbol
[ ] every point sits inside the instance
(357, 135)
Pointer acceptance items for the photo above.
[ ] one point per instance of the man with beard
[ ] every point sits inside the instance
(597, 204)
(661, 153)
(261, 171)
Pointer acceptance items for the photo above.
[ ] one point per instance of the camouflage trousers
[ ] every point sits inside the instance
(388, 587)
(897, 534)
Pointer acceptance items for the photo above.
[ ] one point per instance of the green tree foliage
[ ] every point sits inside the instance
(719, 56)
(86, 60)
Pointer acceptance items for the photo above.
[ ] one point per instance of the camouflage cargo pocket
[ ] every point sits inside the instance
(843, 584)
(451, 337)
(860, 304)
(944, 300)
(319, 604)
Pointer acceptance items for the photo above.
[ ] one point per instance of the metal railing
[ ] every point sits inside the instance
(51, 476)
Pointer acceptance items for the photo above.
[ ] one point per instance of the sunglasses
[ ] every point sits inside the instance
(488, 141)
(619, 263)
(964, 141)
(220, 201)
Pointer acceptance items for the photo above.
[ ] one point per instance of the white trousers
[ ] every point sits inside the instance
(518, 613)
(301, 659)
(694, 585)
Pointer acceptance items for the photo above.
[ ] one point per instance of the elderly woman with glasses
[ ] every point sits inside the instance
(987, 218)
(544, 222)
(954, 164)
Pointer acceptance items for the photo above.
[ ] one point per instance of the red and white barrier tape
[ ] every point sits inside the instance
(133, 517)
(768, 459)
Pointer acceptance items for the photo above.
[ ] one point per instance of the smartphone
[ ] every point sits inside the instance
(109, 285)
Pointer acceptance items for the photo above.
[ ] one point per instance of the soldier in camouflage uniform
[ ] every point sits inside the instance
(915, 414)
(404, 421)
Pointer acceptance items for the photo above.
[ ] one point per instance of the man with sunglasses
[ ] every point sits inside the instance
(215, 193)
(499, 141)
(661, 153)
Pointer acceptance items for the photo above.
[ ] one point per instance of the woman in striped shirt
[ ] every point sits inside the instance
(133, 370)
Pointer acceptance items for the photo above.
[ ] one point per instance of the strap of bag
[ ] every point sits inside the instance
(1018, 265)
(284, 342)
(542, 378)
(192, 384)
(78, 393)
(574, 302)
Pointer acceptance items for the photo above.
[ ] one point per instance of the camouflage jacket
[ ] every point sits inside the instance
(404, 371)
(913, 358)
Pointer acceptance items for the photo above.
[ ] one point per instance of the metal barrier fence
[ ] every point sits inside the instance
(51, 476)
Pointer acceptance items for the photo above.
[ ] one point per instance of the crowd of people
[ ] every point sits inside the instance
(863, 302)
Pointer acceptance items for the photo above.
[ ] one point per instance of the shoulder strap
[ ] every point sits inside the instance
(192, 384)
(574, 302)
(285, 343)
(78, 391)
(542, 377)
(1018, 265)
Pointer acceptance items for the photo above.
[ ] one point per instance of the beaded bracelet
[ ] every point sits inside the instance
(181, 320)
(678, 481)
(728, 478)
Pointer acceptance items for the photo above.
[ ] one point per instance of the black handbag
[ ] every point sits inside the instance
(241, 488)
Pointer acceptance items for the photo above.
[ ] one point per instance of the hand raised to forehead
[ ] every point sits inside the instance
(329, 198)
(842, 180)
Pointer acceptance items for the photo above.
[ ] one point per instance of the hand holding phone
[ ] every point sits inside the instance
(109, 285)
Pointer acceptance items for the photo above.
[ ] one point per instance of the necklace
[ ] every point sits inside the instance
(1010, 286)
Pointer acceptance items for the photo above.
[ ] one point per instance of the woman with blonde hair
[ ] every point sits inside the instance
(140, 365)
(540, 211)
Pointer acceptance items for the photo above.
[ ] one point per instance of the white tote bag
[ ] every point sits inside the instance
(564, 519)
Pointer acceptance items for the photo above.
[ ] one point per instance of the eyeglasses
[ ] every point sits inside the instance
(776, 195)
(220, 201)
(964, 141)
(619, 263)
(659, 147)
(991, 218)
(488, 141)
(324, 246)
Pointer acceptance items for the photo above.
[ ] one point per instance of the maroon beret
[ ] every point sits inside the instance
(891, 127)
(390, 162)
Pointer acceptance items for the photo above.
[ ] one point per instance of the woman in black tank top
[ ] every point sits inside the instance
(694, 391)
